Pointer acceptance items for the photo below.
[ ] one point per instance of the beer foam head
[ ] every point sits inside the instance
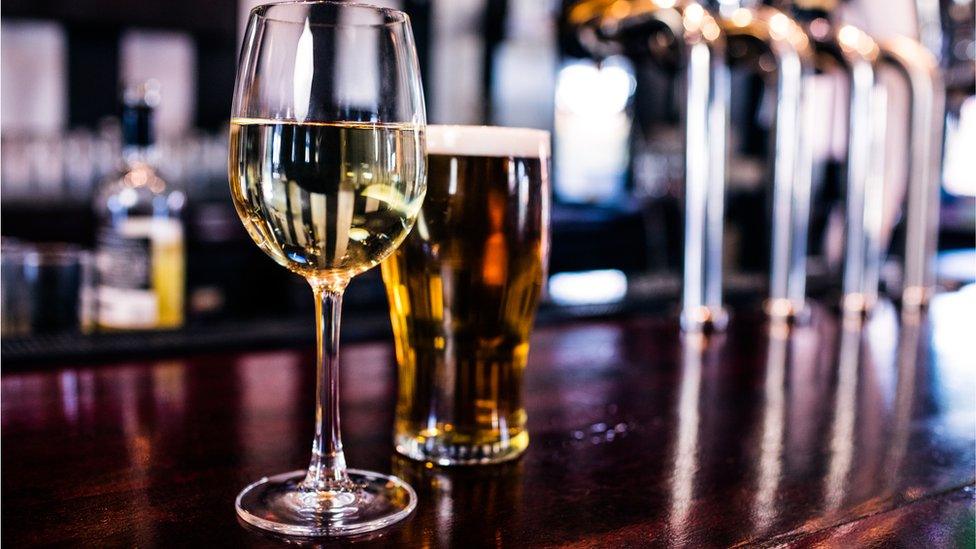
(487, 141)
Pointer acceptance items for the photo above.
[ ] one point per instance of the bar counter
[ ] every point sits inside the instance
(823, 434)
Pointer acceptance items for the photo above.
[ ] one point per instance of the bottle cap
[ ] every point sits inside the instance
(138, 103)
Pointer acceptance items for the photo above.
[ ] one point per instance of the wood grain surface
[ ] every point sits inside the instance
(823, 435)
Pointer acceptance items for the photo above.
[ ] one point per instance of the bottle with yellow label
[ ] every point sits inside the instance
(140, 260)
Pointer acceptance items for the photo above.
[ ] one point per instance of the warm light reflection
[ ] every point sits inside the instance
(780, 26)
(854, 38)
(157, 185)
(779, 308)
(741, 17)
(849, 36)
(694, 14)
(710, 30)
(138, 176)
(619, 10)
(697, 20)
(585, 12)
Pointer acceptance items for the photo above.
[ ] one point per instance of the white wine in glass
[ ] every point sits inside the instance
(326, 200)
(328, 173)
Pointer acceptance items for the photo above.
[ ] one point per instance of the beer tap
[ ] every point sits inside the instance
(745, 22)
(920, 70)
(852, 53)
(685, 37)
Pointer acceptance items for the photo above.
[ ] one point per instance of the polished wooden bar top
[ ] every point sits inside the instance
(823, 435)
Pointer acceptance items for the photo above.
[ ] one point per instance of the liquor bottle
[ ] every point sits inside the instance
(139, 252)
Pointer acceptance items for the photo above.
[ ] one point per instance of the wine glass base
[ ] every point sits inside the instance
(281, 504)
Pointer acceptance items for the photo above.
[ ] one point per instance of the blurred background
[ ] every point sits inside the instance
(617, 225)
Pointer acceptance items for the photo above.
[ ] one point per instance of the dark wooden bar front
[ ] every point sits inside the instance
(821, 436)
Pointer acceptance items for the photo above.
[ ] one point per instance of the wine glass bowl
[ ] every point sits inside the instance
(327, 173)
(336, 198)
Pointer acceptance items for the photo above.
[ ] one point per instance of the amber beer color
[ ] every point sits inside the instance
(463, 290)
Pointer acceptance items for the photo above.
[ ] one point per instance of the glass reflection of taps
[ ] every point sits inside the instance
(772, 430)
(449, 494)
(845, 414)
(846, 56)
(763, 42)
(684, 37)
(909, 355)
(699, 351)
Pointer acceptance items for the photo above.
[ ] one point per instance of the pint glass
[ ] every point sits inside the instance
(463, 290)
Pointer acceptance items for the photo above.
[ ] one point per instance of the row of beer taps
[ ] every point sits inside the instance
(801, 37)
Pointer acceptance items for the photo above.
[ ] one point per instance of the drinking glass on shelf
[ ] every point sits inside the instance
(42, 287)
(328, 173)
(15, 306)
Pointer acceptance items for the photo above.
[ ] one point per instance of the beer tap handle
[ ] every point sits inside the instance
(920, 69)
(793, 54)
(874, 191)
(706, 121)
(859, 54)
(605, 27)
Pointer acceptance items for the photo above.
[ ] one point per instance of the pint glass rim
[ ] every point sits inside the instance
(487, 141)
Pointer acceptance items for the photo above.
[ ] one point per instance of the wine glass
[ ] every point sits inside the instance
(328, 172)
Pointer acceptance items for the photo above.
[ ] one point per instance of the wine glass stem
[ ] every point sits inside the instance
(327, 470)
